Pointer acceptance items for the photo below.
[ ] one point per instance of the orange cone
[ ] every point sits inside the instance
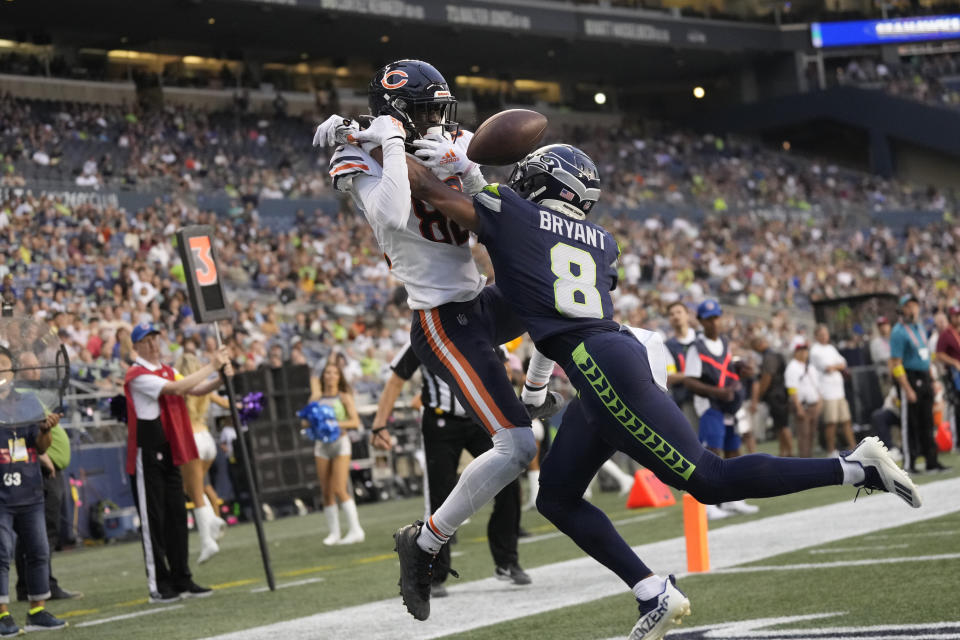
(695, 531)
(648, 491)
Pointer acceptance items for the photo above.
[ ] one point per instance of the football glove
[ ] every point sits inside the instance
(382, 128)
(335, 130)
(438, 153)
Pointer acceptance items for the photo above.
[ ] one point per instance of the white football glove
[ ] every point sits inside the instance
(382, 128)
(438, 153)
(334, 131)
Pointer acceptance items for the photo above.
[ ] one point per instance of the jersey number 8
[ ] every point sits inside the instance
(575, 289)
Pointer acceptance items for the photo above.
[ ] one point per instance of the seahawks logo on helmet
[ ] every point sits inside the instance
(559, 177)
(416, 94)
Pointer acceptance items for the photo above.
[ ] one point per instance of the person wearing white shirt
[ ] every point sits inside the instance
(836, 410)
(880, 344)
(803, 389)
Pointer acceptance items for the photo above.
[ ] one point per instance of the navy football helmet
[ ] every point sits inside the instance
(559, 177)
(414, 93)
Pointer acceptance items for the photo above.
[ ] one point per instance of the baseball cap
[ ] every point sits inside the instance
(883, 320)
(953, 310)
(142, 330)
(907, 297)
(709, 309)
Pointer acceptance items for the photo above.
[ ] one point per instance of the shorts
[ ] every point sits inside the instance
(330, 450)
(780, 414)
(206, 447)
(836, 411)
(717, 435)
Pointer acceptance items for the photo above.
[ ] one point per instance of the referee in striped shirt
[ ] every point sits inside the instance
(447, 431)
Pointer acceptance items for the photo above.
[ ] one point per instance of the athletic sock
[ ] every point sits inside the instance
(852, 472)
(649, 587)
(429, 539)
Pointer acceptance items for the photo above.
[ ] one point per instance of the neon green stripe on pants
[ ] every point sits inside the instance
(637, 428)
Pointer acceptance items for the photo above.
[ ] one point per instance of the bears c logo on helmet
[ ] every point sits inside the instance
(394, 85)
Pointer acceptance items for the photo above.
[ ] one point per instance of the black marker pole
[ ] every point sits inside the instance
(248, 470)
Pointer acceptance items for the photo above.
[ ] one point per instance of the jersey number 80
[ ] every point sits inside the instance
(434, 226)
(575, 289)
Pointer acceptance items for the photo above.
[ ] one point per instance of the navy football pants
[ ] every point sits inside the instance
(620, 408)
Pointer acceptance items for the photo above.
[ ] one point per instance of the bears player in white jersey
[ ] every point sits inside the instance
(457, 320)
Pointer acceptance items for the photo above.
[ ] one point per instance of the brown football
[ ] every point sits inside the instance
(507, 137)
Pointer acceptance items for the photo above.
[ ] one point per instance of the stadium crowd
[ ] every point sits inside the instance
(934, 79)
(251, 157)
(94, 272)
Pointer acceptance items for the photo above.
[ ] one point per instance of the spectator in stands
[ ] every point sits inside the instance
(836, 410)
(771, 389)
(880, 343)
(910, 367)
(803, 388)
(333, 459)
(24, 425)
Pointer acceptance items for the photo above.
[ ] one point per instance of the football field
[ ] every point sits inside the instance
(812, 565)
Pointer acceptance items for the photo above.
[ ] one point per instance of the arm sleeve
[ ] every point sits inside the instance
(896, 344)
(538, 375)
(149, 385)
(693, 367)
(406, 363)
(386, 199)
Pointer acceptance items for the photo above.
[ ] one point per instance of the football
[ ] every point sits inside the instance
(507, 137)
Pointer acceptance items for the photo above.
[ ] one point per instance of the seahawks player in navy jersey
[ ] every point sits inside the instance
(556, 269)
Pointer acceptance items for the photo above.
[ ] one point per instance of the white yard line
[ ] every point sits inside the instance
(127, 616)
(879, 547)
(490, 601)
(839, 564)
(286, 585)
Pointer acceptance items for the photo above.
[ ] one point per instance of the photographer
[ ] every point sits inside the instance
(26, 432)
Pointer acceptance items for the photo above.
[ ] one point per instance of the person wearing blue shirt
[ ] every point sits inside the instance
(24, 435)
(910, 367)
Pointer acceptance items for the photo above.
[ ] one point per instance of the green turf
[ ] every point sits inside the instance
(113, 580)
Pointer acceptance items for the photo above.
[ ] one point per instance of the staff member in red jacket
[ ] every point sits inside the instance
(159, 440)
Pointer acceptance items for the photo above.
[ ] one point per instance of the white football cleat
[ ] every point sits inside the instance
(659, 615)
(716, 512)
(739, 506)
(881, 471)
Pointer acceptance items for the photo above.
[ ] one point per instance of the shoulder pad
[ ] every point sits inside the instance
(489, 197)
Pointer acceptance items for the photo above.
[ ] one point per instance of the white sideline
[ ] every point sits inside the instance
(485, 602)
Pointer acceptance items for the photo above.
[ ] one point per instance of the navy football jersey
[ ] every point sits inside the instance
(555, 271)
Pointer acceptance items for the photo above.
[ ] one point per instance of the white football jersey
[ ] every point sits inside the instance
(428, 253)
